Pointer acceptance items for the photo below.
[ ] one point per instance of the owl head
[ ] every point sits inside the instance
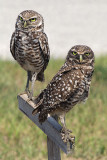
(80, 54)
(28, 20)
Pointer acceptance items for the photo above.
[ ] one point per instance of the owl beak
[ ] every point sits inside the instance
(81, 59)
(25, 24)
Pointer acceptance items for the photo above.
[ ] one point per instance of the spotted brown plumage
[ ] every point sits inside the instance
(29, 46)
(69, 86)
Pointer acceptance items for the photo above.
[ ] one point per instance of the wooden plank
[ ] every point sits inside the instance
(50, 127)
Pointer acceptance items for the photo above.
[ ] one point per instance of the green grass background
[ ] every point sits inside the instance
(21, 139)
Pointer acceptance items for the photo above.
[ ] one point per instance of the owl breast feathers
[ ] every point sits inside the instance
(69, 86)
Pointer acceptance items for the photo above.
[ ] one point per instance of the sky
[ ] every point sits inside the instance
(67, 23)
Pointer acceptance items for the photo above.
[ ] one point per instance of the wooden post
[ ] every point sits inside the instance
(53, 149)
(50, 127)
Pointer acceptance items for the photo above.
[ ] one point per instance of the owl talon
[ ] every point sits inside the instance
(30, 95)
(66, 137)
(30, 99)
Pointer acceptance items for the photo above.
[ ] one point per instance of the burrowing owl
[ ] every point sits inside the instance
(68, 87)
(29, 46)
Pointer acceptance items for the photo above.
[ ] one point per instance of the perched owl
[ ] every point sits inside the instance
(29, 46)
(68, 87)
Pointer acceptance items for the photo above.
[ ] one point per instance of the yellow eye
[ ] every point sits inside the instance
(87, 54)
(21, 18)
(74, 53)
(33, 19)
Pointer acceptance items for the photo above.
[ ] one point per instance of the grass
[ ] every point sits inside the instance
(20, 139)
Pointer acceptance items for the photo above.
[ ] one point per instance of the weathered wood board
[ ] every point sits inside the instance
(50, 127)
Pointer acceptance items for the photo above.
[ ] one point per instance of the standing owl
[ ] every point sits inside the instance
(68, 87)
(29, 46)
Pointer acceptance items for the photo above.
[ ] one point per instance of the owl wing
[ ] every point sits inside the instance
(63, 70)
(60, 89)
(43, 40)
(12, 45)
(63, 86)
(57, 79)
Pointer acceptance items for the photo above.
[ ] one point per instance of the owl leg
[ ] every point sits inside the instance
(27, 84)
(32, 86)
(66, 133)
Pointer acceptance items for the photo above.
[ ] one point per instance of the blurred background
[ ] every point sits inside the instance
(67, 23)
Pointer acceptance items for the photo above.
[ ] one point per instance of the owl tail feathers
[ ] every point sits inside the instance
(36, 110)
(40, 77)
(42, 115)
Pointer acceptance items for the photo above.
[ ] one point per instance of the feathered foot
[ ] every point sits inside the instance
(66, 136)
(32, 78)
(29, 94)
(27, 91)
(66, 133)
